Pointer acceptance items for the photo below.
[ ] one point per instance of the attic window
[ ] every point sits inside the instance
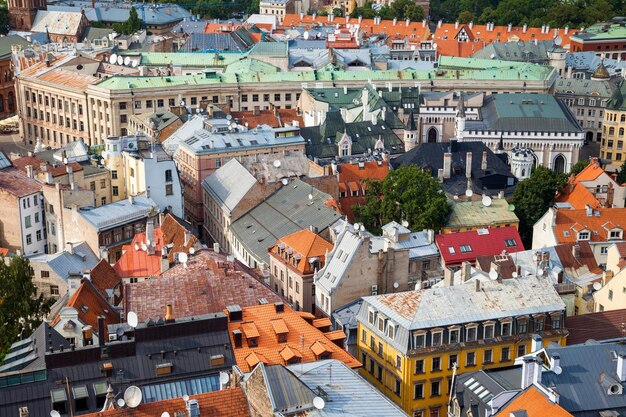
(465, 248)
(164, 368)
(510, 242)
(217, 360)
(451, 249)
(583, 235)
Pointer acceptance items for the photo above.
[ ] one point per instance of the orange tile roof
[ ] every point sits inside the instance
(571, 221)
(323, 322)
(302, 338)
(220, 27)
(104, 277)
(305, 243)
(414, 32)
(279, 326)
(452, 47)
(578, 196)
(534, 403)
(336, 335)
(224, 403)
(90, 305)
(280, 118)
(591, 172)
(174, 234)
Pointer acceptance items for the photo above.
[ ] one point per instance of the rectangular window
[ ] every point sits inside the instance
(92, 186)
(418, 391)
(160, 102)
(27, 222)
(287, 96)
(465, 248)
(470, 359)
(436, 364)
(45, 274)
(506, 329)
(470, 335)
(505, 354)
(116, 191)
(171, 102)
(276, 97)
(556, 322)
(510, 243)
(488, 356)
(452, 359)
(244, 98)
(255, 97)
(435, 388)
(38, 235)
(54, 290)
(521, 350)
(114, 174)
(522, 327)
(103, 184)
(137, 104)
(436, 338)
(453, 336)
(168, 175)
(419, 366)
(194, 101)
(539, 324)
(169, 189)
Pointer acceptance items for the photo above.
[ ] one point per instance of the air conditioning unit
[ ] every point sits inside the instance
(112, 337)
(374, 289)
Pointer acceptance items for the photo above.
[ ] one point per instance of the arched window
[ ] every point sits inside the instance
(611, 131)
(621, 131)
(559, 164)
(623, 118)
(432, 135)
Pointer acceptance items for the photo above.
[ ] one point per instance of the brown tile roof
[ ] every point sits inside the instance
(13, 181)
(208, 284)
(534, 403)
(303, 340)
(174, 233)
(90, 305)
(268, 117)
(224, 403)
(36, 162)
(306, 244)
(584, 259)
(605, 325)
(68, 78)
(104, 277)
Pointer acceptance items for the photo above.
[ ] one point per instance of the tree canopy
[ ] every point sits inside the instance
(621, 174)
(532, 197)
(131, 25)
(21, 309)
(579, 166)
(407, 193)
(4, 18)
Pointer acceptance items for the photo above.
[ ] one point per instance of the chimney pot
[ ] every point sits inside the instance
(169, 313)
(468, 165)
(101, 328)
(621, 366)
(23, 411)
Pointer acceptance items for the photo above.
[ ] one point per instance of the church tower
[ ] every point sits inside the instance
(22, 13)
(410, 134)
(459, 125)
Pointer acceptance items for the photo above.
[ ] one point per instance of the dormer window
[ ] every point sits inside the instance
(370, 316)
(505, 328)
(437, 337)
(391, 331)
(419, 340)
(381, 324)
(615, 234)
(453, 335)
(488, 330)
(583, 235)
(470, 334)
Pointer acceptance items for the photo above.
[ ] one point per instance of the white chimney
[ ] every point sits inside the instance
(509, 27)
(439, 24)
(531, 372)
(483, 163)
(23, 411)
(536, 344)
(408, 22)
(456, 24)
(524, 28)
(447, 165)
(29, 171)
(149, 232)
(395, 21)
(566, 29)
(424, 23)
(468, 165)
(621, 367)
(70, 248)
(556, 360)
(471, 25)
(374, 119)
(466, 272)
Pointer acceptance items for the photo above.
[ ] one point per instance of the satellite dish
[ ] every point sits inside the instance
(133, 396)
(434, 45)
(319, 403)
(119, 332)
(144, 247)
(515, 274)
(540, 273)
(558, 40)
(486, 201)
(284, 181)
(136, 246)
(113, 59)
(362, 228)
(396, 285)
(133, 64)
(224, 378)
(120, 60)
(558, 370)
(55, 413)
(511, 207)
(405, 223)
(127, 60)
(492, 56)
(165, 414)
(276, 164)
(310, 196)
(493, 275)
(306, 35)
(121, 403)
(192, 251)
(132, 319)
(185, 398)
(597, 286)
(182, 257)
(469, 193)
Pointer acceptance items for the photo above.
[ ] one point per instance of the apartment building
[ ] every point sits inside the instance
(613, 127)
(411, 343)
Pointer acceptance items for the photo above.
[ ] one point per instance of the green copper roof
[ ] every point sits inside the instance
(248, 65)
(617, 101)
(274, 49)
(190, 59)
(449, 69)
(601, 31)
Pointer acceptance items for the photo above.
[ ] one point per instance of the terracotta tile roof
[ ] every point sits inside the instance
(535, 404)
(584, 259)
(568, 222)
(13, 181)
(90, 305)
(207, 285)
(604, 325)
(578, 196)
(303, 340)
(224, 403)
(591, 172)
(306, 244)
(104, 277)
(220, 27)
(68, 78)
(452, 47)
(36, 162)
(483, 242)
(280, 118)
(136, 262)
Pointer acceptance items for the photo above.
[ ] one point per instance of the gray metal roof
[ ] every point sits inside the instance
(286, 392)
(286, 211)
(598, 89)
(348, 394)
(339, 259)
(118, 213)
(458, 304)
(229, 184)
(65, 264)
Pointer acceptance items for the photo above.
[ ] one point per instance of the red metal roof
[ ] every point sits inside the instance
(456, 248)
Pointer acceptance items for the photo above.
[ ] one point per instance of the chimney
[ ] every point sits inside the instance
(621, 367)
(566, 29)
(23, 411)
(424, 23)
(395, 21)
(169, 314)
(279, 307)
(477, 285)
(431, 236)
(234, 313)
(576, 251)
(536, 343)
(374, 119)
(87, 335)
(471, 25)
(483, 162)
(556, 360)
(531, 371)
(509, 27)
(439, 23)
(588, 210)
(524, 28)
(101, 339)
(149, 232)
(49, 179)
(193, 408)
(468, 165)
(70, 176)
(131, 199)
(456, 24)
(447, 165)
(29, 171)
(466, 272)
(407, 22)
(448, 277)
(440, 174)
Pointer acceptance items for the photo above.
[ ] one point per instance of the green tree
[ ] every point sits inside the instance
(133, 24)
(579, 166)
(366, 12)
(337, 12)
(532, 197)
(621, 174)
(4, 18)
(21, 310)
(466, 17)
(407, 193)
(406, 9)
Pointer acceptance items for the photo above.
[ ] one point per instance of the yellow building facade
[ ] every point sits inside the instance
(413, 363)
(612, 147)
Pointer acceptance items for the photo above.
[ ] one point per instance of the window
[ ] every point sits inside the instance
(114, 175)
(371, 317)
(453, 336)
(556, 322)
(452, 359)
(397, 386)
(171, 102)
(539, 324)
(27, 222)
(29, 239)
(38, 235)
(45, 274)
(616, 234)
(169, 189)
(510, 243)
(123, 105)
(436, 338)
(435, 388)
(116, 191)
(505, 354)
(54, 290)
(103, 184)
(194, 101)
(380, 349)
(391, 330)
(470, 359)
(419, 366)
(363, 337)
(470, 335)
(132, 172)
(92, 186)
(522, 326)
(398, 362)
(611, 295)
(506, 329)
(137, 104)
(465, 248)
(168, 175)
(255, 97)
(436, 364)
(418, 391)
(160, 102)
(244, 98)
(488, 331)
(419, 340)
(584, 235)
(488, 356)
(123, 118)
